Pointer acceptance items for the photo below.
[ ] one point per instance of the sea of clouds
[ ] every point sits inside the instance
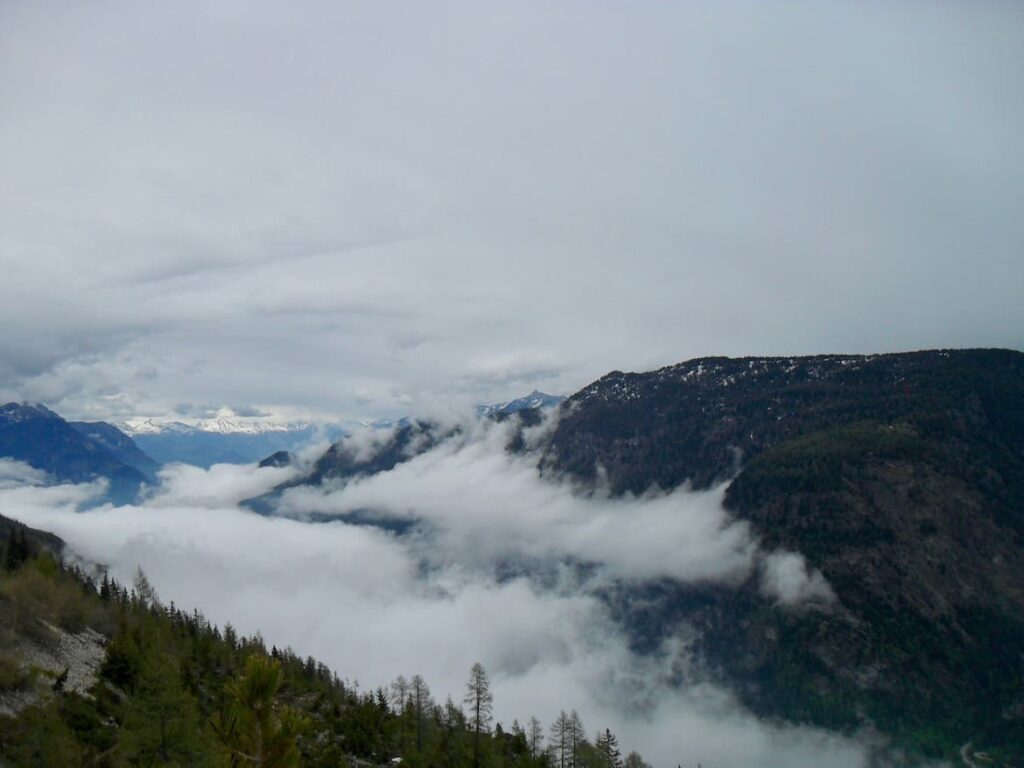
(458, 586)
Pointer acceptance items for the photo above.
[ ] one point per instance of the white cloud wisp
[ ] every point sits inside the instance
(359, 597)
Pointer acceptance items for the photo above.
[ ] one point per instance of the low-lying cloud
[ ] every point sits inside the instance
(14, 474)
(479, 505)
(786, 577)
(373, 604)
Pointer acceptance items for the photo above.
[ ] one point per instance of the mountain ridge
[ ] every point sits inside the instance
(900, 477)
(41, 438)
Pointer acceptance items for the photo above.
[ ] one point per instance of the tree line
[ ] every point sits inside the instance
(175, 690)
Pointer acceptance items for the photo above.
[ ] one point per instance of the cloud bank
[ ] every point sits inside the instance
(479, 199)
(373, 605)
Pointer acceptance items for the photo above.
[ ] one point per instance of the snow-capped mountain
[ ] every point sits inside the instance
(219, 425)
(223, 440)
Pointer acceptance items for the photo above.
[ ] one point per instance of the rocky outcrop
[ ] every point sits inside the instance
(68, 660)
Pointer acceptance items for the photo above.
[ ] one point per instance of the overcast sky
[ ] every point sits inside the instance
(360, 210)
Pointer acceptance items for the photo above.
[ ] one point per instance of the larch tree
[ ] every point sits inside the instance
(560, 744)
(576, 738)
(144, 591)
(535, 737)
(479, 703)
(399, 700)
(161, 724)
(419, 695)
(399, 694)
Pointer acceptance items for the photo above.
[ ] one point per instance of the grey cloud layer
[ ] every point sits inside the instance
(477, 505)
(354, 208)
(360, 600)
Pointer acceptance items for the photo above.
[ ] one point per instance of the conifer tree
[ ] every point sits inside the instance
(105, 591)
(608, 750)
(480, 703)
(399, 692)
(161, 725)
(576, 738)
(535, 737)
(419, 694)
(144, 591)
(560, 746)
(17, 551)
(453, 746)
(256, 730)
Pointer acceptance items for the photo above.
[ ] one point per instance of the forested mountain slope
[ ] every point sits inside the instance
(152, 685)
(900, 477)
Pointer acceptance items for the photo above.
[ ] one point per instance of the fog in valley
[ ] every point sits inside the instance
(498, 565)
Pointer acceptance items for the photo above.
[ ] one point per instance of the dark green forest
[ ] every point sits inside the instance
(174, 690)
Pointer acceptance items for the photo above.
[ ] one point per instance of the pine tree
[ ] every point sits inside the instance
(256, 730)
(608, 750)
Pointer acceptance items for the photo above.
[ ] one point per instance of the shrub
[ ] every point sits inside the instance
(12, 675)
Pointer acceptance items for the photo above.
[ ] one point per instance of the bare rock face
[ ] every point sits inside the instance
(80, 655)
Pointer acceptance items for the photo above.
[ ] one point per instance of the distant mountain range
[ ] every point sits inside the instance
(205, 442)
(130, 453)
(221, 426)
(73, 451)
(221, 441)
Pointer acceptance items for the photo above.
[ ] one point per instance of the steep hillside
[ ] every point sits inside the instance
(94, 675)
(41, 438)
(379, 451)
(25, 541)
(120, 445)
(901, 477)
